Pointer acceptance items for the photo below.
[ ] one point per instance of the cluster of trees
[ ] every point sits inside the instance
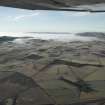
(7, 39)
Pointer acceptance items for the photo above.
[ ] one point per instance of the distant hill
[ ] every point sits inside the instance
(49, 32)
(6, 39)
(92, 34)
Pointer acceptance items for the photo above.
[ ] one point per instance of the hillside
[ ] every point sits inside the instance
(100, 35)
(45, 61)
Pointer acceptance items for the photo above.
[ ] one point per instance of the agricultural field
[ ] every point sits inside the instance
(64, 72)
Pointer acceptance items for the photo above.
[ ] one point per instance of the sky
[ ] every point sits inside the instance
(20, 20)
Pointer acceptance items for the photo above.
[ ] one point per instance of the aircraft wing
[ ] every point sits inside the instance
(67, 5)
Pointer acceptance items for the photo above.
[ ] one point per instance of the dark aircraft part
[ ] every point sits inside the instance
(56, 5)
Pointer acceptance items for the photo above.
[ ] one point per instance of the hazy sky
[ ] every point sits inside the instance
(19, 20)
